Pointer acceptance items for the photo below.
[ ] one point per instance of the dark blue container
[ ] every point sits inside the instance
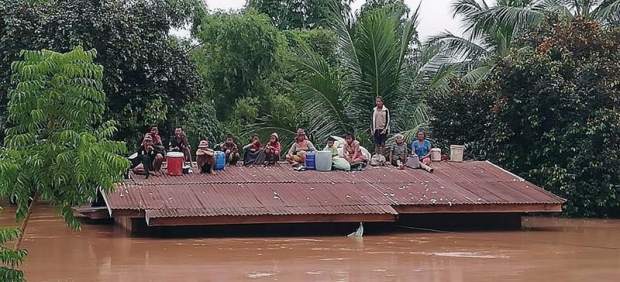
(311, 160)
(220, 160)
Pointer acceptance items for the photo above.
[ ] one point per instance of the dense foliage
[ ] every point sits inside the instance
(554, 117)
(296, 14)
(149, 75)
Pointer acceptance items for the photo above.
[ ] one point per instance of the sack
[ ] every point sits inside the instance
(340, 164)
(377, 160)
(413, 162)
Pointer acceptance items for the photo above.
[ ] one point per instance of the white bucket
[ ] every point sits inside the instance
(323, 160)
(436, 154)
(456, 153)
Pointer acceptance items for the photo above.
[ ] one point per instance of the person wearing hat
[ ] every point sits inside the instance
(205, 157)
(272, 149)
(398, 151)
(296, 155)
(150, 158)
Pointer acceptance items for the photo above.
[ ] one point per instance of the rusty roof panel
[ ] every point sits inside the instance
(279, 190)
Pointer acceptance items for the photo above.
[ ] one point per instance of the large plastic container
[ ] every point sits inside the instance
(220, 160)
(323, 160)
(175, 161)
(456, 153)
(310, 160)
(436, 154)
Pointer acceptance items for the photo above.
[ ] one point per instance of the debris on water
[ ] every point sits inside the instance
(359, 232)
(433, 201)
(348, 196)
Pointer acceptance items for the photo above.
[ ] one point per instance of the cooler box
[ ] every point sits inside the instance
(310, 160)
(175, 162)
(220, 160)
(323, 160)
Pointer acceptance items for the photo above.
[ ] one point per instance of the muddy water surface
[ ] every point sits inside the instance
(547, 249)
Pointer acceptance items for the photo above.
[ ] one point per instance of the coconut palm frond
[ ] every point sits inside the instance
(416, 120)
(345, 46)
(321, 93)
(459, 47)
(478, 74)
(608, 12)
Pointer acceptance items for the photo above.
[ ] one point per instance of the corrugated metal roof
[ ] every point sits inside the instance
(279, 190)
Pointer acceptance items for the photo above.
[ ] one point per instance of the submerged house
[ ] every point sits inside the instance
(459, 194)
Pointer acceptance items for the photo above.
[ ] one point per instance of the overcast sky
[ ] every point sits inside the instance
(435, 15)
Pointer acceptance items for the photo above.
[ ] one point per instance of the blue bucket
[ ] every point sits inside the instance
(311, 160)
(220, 160)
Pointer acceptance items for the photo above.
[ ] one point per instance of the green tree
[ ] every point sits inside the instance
(553, 116)
(57, 147)
(296, 14)
(375, 59)
(238, 52)
(149, 74)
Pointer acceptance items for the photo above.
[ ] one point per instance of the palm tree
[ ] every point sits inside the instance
(376, 58)
(490, 30)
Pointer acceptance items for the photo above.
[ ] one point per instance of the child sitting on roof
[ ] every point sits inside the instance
(231, 151)
(272, 149)
(338, 163)
(353, 152)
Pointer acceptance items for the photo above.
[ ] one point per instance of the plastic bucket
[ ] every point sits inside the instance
(456, 153)
(436, 154)
(323, 160)
(175, 163)
(310, 160)
(220, 160)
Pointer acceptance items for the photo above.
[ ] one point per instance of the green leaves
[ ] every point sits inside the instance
(53, 150)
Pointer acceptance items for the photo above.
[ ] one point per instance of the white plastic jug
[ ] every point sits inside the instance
(456, 153)
(323, 160)
(436, 154)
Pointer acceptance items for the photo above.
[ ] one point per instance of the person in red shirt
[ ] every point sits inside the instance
(272, 149)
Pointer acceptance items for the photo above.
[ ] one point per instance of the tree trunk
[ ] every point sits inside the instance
(22, 228)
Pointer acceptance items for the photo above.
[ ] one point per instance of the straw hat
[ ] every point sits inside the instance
(399, 136)
(275, 135)
(203, 144)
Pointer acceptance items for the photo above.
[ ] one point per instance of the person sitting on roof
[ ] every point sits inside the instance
(231, 151)
(296, 155)
(422, 148)
(338, 163)
(179, 143)
(154, 133)
(150, 158)
(253, 152)
(352, 151)
(272, 149)
(398, 151)
(205, 157)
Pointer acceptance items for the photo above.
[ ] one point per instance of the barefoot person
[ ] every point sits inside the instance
(380, 125)
(150, 158)
(352, 151)
(205, 157)
(296, 155)
(422, 148)
(398, 151)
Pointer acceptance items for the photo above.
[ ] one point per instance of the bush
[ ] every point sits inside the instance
(554, 118)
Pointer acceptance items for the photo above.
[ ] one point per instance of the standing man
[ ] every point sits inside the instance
(380, 125)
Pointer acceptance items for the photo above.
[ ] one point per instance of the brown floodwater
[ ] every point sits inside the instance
(546, 249)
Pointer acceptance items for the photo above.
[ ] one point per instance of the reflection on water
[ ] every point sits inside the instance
(547, 249)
